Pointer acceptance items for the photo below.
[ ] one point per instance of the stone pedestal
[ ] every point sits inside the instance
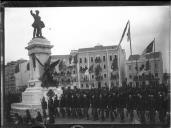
(31, 97)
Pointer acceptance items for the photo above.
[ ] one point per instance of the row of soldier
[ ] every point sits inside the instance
(104, 103)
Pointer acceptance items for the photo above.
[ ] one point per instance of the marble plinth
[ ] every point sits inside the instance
(31, 100)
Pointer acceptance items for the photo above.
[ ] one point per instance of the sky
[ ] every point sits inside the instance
(71, 28)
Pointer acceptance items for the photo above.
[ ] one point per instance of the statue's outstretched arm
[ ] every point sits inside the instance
(32, 13)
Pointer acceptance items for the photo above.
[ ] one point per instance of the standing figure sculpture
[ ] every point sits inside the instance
(37, 25)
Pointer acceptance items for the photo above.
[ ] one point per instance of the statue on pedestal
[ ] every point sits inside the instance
(37, 25)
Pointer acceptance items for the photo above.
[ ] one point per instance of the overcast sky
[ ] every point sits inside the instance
(71, 28)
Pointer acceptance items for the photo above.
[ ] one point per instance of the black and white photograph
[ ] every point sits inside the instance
(83, 66)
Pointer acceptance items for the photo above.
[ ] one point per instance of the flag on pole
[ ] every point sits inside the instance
(149, 48)
(123, 33)
(128, 34)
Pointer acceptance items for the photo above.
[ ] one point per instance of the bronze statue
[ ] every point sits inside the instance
(37, 25)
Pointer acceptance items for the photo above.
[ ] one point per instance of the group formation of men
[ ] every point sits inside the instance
(100, 104)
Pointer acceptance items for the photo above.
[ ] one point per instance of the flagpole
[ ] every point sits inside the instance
(130, 39)
(154, 60)
(118, 50)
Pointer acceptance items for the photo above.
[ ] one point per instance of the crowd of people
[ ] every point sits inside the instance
(102, 104)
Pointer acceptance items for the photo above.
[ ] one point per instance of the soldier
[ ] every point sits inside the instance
(121, 105)
(152, 108)
(111, 106)
(56, 105)
(51, 110)
(67, 104)
(62, 105)
(160, 107)
(130, 107)
(73, 111)
(93, 105)
(44, 107)
(102, 106)
(86, 105)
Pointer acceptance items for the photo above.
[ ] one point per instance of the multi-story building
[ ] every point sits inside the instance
(22, 75)
(139, 65)
(10, 81)
(70, 69)
(98, 67)
(94, 67)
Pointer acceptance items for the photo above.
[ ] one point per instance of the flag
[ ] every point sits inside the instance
(123, 33)
(149, 48)
(128, 34)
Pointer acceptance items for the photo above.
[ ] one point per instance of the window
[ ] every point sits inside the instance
(80, 60)
(86, 85)
(156, 66)
(93, 85)
(156, 74)
(110, 58)
(28, 66)
(74, 72)
(130, 76)
(81, 85)
(85, 60)
(91, 59)
(92, 76)
(130, 67)
(105, 84)
(104, 75)
(104, 66)
(104, 58)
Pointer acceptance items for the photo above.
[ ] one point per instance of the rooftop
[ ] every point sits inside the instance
(59, 56)
(147, 56)
(153, 55)
(97, 47)
(134, 57)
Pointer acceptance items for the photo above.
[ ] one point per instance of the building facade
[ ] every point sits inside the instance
(138, 66)
(85, 68)
(22, 75)
(98, 67)
(10, 81)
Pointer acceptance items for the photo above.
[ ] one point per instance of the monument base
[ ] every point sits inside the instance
(21, 108)
(31, 100)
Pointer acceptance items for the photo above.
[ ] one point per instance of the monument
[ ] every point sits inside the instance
(39, 50)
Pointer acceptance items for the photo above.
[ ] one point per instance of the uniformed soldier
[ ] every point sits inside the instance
(73, 106)
(110, 105)
(62, 105)
(152, 108)
(130, 107)
(121, 105)
(86, 105)
(56, 105)
(44, 107)
(51, 110)
(102, 106)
